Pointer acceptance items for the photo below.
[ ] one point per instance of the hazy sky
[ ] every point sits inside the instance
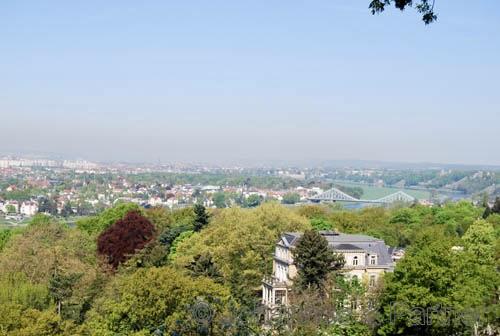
(250, 80)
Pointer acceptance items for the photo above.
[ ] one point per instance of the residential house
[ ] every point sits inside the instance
(366, 258)
(29, 208)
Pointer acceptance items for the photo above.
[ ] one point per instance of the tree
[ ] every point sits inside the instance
(204, 265)
(487, 212)
(201, 219)
(355, 192)
(160, 217)
(41, 219)
(5, 235)
(219, 199)
(480, 240)
(168, 236)
(424, 7)
(433, 277)
(291, 198)
(179, 239)
(16, 288)
(61, 286)
(34, 252)
(84, 208)
(241, 242)
(321, 224)
(253, 201)
(27, 276)
(67, 210)
(157, 298)
(496, 206)
(10, 209)
(96, 224)
(47, 206)
(124, 238)
(314, 260)
(32, 322)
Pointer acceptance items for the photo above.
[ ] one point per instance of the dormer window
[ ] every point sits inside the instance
(355, 261)
(373, 260)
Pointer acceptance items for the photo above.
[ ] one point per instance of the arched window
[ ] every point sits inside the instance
(355, 261)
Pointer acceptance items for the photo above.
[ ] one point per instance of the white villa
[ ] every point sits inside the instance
(366, 258)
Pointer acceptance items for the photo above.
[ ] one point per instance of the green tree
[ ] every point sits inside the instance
(355, 192)
(32, 322)
(480, 240)
(321, 224)
(314, 260)
(11, 209)
(291, 198)
(253, 201)
(201, 217)
(496, 206)
(61, 287)
(178, 240)
(435, 277)
(487, 212)
(160, 217)
(204, 265)
(16, 288)
(67, 210)
(156, 298)
(5, 235)
(96, 224)
(47, 206)
(41, 219)
(219, 199)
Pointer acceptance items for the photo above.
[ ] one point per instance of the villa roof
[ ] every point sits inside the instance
(347, 247)
(343, 241)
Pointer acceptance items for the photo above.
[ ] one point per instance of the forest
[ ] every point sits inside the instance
(197, 271)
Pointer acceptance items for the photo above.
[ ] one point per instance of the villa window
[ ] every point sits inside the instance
(354, 304)
(280, 297)
(372, 280)
(373, 260)
(355, 261)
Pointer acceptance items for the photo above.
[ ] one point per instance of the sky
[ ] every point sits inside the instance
(250, 81)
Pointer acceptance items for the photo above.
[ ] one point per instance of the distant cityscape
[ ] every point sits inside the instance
(72, 188)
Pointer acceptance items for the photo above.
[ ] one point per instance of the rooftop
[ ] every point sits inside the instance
(343, 241)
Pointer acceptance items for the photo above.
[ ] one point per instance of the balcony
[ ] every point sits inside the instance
(274, 282)
(282, 259)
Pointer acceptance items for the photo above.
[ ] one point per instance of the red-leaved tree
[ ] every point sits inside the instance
(128, 235)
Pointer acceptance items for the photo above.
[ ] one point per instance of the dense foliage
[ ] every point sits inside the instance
(96, 224)
(124, 238)
(198, 272)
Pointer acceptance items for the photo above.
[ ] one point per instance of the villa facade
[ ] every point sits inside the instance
(366, 258)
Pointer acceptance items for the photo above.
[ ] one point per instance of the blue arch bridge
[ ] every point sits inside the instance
(336, 195)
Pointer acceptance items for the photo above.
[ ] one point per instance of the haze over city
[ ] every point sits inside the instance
(249, 82)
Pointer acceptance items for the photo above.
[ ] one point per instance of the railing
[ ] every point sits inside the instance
(274, 281)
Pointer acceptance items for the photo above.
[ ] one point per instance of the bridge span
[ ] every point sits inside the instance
(336, 195)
